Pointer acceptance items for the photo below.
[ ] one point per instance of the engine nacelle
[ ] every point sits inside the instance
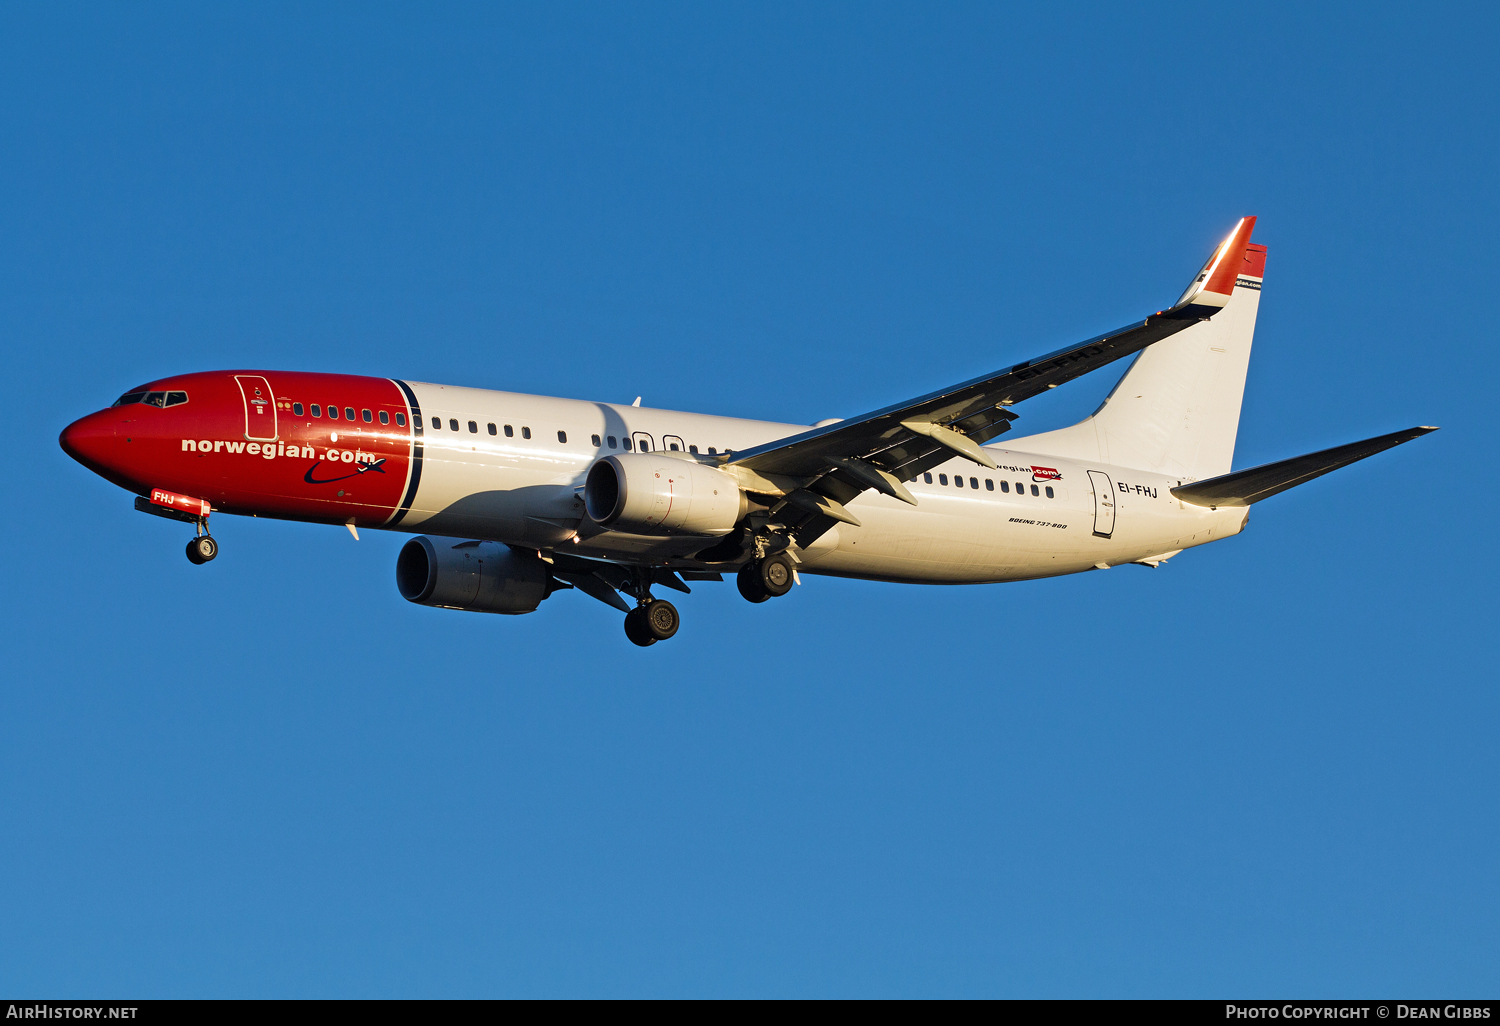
(650, 493)
(481, 577)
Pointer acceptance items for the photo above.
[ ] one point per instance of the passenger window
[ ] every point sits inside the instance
(155, 399)
(1049, 492)
(316, 410)
(927, 478)
(672, 446)
(611, 441)
(712, 451)
(385, 418)
(989, 484)
(594, 441)
(364, 415)
(958, 480)
(562, 436)
(333, 413)
(348, 413)
(296, 409)
(452, 424)
(1033, 490)
(1020, 488)
(693, 449)
(401, 420)
(626, 443)
(942, 479)
(1005, 487)
(510, 432)
(526, 432)
(490, 428)
(973, 482)
(178, 398)
(473, 428)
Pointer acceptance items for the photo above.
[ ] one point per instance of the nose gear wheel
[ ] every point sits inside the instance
(202, 549)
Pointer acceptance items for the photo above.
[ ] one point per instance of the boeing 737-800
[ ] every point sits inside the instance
(519, 496)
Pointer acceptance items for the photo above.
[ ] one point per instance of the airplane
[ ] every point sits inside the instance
(516, 497)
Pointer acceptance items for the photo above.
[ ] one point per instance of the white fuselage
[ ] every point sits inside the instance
(525, 491)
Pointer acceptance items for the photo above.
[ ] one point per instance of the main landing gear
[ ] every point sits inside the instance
(767, 578)
(652, 619)
(655, 620)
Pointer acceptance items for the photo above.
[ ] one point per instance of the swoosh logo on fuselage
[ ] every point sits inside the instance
(378, 466)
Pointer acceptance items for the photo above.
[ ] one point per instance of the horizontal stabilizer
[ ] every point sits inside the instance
(1246, 486)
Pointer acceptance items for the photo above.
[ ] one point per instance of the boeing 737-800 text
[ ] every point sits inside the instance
(519, 496)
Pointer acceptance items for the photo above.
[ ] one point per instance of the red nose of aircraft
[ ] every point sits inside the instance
(100, 442)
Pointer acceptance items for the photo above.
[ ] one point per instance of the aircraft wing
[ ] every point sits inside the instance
(892, 445)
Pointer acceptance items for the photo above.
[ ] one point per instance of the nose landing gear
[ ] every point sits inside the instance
(202, 549)
(188, 510)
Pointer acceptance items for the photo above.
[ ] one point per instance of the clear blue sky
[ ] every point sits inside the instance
(1268, 768)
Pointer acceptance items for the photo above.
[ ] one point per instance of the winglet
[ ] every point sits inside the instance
(1211, 289)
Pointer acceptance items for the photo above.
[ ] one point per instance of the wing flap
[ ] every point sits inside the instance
(594, 587)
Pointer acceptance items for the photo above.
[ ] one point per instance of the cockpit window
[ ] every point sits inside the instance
(130, 398)
(176, 398)
(155, 399)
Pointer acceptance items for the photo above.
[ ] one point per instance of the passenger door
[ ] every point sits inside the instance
(1104, 503)
(260, 407)
(643, 442)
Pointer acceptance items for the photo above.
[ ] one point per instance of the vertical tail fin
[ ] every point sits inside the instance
(1177, 409)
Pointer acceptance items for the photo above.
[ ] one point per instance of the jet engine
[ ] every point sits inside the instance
(478, 576)
(651, 493)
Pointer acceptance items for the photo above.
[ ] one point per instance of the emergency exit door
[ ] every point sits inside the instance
(1104, 503)
(260, 407)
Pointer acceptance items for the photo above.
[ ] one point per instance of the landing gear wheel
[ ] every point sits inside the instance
(777, 575)
(656, 621)
(202, 549)
(636, 629)
(750, 584)
(662, 620)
